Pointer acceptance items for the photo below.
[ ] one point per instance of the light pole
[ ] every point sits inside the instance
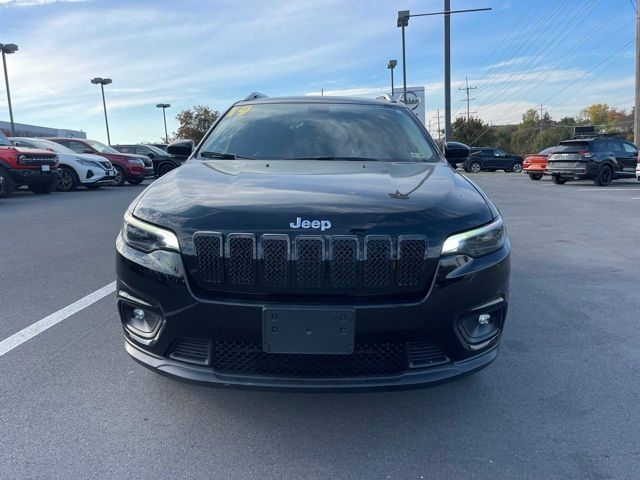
(403, 21)
(102, 82)
(164, 106)
(6, 50)
(391, 65)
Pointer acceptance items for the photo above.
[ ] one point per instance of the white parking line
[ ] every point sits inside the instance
(595, 189)
(47, 322)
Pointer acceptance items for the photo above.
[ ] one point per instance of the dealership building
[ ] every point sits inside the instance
(24, 130)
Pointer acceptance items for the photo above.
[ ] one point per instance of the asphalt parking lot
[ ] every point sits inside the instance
(561, 400)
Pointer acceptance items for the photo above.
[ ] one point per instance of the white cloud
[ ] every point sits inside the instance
(35, 3)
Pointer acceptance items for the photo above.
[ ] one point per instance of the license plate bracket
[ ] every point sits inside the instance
(308, 330)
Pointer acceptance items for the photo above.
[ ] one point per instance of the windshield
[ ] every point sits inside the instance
(101, 147)
(53, 146)
(571, 147)
(156, 150)
(319, 131)
(4, 140)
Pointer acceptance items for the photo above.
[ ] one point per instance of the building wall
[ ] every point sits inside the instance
(24, 130)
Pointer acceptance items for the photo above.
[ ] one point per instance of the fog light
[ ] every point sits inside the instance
(478, 328)
(141, 321)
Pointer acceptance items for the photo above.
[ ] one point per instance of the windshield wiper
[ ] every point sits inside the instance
(329, 157)
(222, 155)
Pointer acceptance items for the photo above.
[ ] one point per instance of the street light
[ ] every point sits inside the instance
(164, 106)
(8, 49)
(102, 82)
(391, 65)
(403, 21)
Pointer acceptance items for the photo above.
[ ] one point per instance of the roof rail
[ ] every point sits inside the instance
(387, 98)
(254, 96)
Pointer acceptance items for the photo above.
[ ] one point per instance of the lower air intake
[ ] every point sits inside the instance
(192, 350)
(246, 358)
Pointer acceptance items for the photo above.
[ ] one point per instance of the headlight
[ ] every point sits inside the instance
(88, 163)
(477, 242)
(135, 161)
(147, 237)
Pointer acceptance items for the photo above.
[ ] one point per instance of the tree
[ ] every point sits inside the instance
(597, 114)
(468, 132)
(195, 122)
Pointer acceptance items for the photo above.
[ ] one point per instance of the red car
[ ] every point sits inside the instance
(131, 168)
(37, 169)
(535, 164)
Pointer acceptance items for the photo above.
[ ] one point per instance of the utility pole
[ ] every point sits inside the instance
(467, 88)
(636, 118)
(447, 70)
(437, 117)
(8, 49)
(541, 118)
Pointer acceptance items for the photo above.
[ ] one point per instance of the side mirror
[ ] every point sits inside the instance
(151, 155)
(181, 148)
(87, 150)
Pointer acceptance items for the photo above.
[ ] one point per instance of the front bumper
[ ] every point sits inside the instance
(460, 288)
(30, 176)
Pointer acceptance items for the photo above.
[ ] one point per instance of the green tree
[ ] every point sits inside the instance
(474, 130)
(195, 122)
(596, 114)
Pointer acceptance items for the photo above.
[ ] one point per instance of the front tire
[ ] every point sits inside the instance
(535, 176)
(120, 177)
(67, 180)
(516, 167)
(604, 176)
(475, 167)
(43, 188)
(559, 180)
(8, 186)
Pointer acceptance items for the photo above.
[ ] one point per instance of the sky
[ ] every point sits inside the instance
(564, 54)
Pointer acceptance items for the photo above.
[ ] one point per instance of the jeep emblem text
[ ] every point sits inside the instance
(321, 224)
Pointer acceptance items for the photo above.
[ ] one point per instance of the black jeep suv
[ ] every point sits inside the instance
(601, 159)
(313, 243)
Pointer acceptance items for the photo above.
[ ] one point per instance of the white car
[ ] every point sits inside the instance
(75, 169)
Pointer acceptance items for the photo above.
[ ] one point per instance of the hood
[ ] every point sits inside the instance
(357, 198)
(89, 156)
(32, 151)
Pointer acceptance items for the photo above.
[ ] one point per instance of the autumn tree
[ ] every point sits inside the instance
(194, 123)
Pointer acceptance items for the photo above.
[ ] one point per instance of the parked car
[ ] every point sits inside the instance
(598, 158)
(638, 169)
(74, 169)
(456, 153)
(535, 164)
(492, 159)
(131, 168)
(19, 166)
(161, 146)
(162, 161)
(297, 255)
